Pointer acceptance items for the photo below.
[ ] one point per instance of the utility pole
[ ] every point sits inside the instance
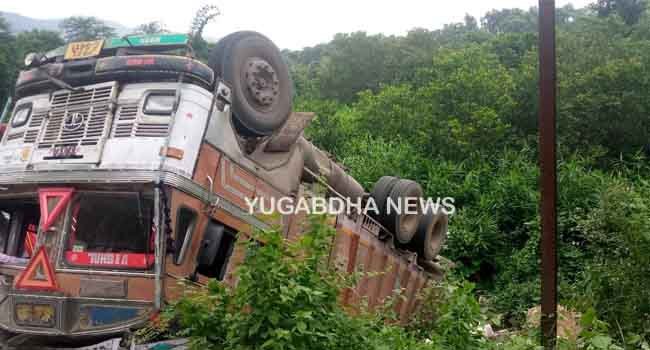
(548, 170)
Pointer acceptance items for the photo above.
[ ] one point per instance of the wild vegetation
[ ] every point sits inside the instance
(456, 110)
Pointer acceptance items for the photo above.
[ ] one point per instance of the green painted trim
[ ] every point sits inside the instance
(148, 40)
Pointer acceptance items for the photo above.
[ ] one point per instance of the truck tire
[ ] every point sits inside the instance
(430, 235)
(259, 81)
(380, 192)
(217, 53)
(404, 224)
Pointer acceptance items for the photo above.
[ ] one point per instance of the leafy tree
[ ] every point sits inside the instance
(37, 41)
(85, 28)
(630, 10)
(7, 62)
(204, 16)
(155, 27)
(470, 22)
(510, 21)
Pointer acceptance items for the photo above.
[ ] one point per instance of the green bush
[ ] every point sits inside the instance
(287, 297)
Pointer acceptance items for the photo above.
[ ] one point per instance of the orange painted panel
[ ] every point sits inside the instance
(268, 198)
(378, 267)
(237, 258)
(362, 267)
(409, 293)
(235, 183)
(138, 288)
(389, 278)
(207, 165)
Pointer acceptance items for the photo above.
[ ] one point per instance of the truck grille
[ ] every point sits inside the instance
(29, 133)
(92, 110)
(15, 136)
(128, 124)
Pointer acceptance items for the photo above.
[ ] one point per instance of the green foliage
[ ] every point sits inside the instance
(618, 234)
(629, 10)
(7, 59)
(205, 15)
(13, 49)
(287, 297)
(155, 27)
(78, 28)
(510, 21)
(450, 316)
(456, 110)
(460, 117)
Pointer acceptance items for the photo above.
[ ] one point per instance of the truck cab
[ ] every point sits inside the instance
(127, 166)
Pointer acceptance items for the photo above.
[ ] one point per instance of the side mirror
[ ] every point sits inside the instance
(210, 244)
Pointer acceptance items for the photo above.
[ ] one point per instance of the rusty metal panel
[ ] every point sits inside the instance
(352, 262)
(284, 139)
(377, 267)
(267, 196)
(237, 258)
(206, 165)
(417, 299)
(388, 279)
(401, 285)
(102, 288)
(363, 259)
(548, 169)
(409, 293)
(235, 183)
(339, 255)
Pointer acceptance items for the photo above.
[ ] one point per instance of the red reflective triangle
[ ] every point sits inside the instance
(38, 275)
(48, 218)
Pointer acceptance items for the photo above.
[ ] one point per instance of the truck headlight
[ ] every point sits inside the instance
(35, 315)
(33, 59)
(160, 103)
(21, 116)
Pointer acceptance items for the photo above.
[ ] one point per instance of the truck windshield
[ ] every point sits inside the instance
(111, 232)
(18, 228)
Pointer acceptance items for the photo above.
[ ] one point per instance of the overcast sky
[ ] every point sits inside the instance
(291, 24)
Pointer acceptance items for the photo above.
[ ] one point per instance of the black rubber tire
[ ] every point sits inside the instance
(438, 236)
(430, 235)
(217, 53)
(402, 224)
(253, 118)
(380, 192)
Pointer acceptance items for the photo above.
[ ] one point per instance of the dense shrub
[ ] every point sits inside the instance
(287, 297)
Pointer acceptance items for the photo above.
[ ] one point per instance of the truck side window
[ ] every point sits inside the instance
(216, 248)
(185, 225)
(18, 229)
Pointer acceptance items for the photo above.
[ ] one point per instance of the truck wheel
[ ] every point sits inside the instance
(430, 235)
(404, 224)
(380, 192)
(259, 80)
(215, 58)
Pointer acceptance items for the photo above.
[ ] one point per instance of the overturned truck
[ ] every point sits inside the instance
(127, 165)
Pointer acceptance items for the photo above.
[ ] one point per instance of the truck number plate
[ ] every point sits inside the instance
(83, 49)
(64, 152)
